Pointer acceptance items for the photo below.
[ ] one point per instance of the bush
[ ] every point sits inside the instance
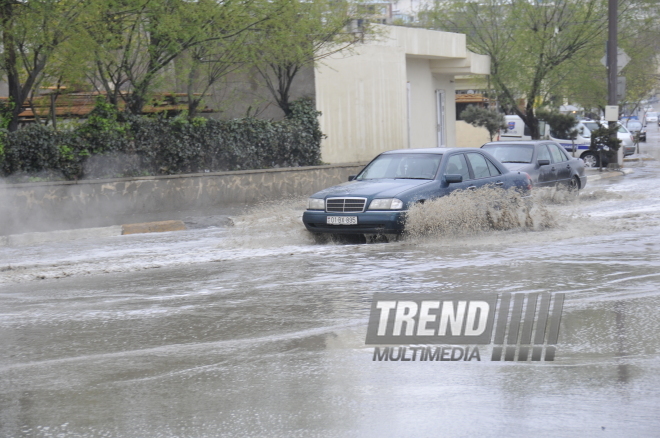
(561, 125)
(110, 144)
(489, 119)
(606, 139)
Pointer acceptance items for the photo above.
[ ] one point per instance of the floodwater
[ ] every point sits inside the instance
(257, 330)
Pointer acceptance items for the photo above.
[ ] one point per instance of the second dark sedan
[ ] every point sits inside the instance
(545, 161)
(377, 199)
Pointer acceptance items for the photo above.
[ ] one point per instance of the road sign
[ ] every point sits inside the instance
(620, 87)
(622, 59)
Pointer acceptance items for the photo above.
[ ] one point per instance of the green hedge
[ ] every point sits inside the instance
(111, 144)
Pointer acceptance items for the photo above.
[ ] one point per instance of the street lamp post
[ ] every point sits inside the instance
(612, 71)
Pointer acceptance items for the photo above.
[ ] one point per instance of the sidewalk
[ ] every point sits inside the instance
(594, 174)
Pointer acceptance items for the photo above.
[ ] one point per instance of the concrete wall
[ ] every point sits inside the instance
(62, 205)
(469, 136)
(362, 99)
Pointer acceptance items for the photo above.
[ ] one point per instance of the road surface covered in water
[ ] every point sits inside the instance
(256, 330)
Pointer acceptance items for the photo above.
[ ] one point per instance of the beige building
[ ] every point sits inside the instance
(395, 92)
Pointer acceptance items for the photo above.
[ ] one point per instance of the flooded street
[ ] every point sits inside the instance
(256, 330)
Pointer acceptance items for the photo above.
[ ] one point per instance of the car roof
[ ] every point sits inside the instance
(517, 142)
(438, 151)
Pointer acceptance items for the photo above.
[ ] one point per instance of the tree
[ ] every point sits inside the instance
(31, 33)
(639, 26)
(203, 65)
(561, 125)
(528, 43)
(493, 121)
(300, 34)
(137, 41)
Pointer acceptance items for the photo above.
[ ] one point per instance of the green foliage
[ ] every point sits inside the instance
(298, 34)
(108, 146)
(561, 125)
(605, 139)
(6, 108)
(483, 117)
(105, 129)
(531, 44)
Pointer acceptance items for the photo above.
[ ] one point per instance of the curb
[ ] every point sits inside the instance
(634, 160)
(58, 236)
(595, 175)
(86, 233)
(153, 227)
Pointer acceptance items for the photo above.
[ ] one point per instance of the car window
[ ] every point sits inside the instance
(557, 156)
(494, 171)
(456, 165)
(406, 166)
(511, 153)
(622, 129)
(544, 153)
(479, 165)
(589, 126)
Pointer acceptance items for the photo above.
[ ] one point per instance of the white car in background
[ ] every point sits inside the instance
(651, 117)
(627, 140)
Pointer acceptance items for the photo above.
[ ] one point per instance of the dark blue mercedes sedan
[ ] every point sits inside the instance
(377, 199)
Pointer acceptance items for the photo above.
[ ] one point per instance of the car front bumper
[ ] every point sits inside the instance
(369, 222)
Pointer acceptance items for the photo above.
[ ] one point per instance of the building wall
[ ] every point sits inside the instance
(422, 104)
(362, 98)
(469, 136)
(382, 94)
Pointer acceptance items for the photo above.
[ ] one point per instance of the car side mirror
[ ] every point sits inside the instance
(351, 177)
(543, 162)
(453, 178)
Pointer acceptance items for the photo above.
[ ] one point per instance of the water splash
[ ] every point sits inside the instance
(473, 212)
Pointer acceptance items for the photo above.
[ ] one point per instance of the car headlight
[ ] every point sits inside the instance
(386, 204)
(315, 204)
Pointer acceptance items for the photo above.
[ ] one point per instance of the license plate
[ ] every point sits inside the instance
(341, 220)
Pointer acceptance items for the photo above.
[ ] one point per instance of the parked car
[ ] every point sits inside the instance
(546, 162)
(591, 158)
(636, 128)
(651, 117)
(376, 200)
(580, 146)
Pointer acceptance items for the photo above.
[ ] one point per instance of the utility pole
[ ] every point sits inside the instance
(612, 69)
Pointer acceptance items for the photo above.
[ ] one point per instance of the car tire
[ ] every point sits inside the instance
(590, 160)
(574, 184)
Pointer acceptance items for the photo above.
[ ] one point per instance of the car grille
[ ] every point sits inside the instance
(345, 205)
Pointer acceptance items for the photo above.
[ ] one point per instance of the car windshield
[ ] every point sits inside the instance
(511, 153)
(651, 114)
(402, 166)
(634, 126)
(589, 126)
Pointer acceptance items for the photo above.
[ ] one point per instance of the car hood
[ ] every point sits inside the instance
(381, 188)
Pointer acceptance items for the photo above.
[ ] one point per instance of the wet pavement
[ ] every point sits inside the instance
(256, 330)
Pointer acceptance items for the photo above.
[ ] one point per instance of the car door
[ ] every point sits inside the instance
(547, 172)
(561, 164)
(483, 171)
(457, 165)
